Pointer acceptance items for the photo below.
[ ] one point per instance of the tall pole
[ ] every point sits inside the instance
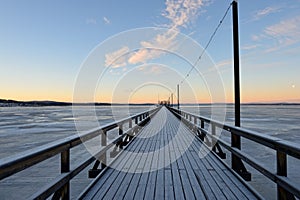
(171, 99)
(178, 96)
(236, 162)
(236, 59)
(158, 99)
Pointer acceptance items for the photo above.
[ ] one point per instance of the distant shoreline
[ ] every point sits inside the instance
(15, 103)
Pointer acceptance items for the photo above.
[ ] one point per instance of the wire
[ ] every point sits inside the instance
(207, 45)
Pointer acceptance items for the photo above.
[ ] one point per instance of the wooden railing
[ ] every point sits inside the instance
(60, 186)
(286, 189)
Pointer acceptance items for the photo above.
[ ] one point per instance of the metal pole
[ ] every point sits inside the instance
(236, 58)
(178, 96)
(236, 163)
(158, 99)
(172, 100)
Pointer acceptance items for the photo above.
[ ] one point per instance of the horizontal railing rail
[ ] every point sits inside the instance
(60, 186)
(286, 189)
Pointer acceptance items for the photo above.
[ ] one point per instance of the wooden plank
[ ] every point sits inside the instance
(193, 179)
(159, 185)
(137, 181)
(222, 179)
(187, 188)
(208, 193)
(141, 187)
(168, 186)
(132, 189)
(120, 187)
(223, 173)
(177, 184)
(205, 167)
(190, 165)
(150, 187)
(241, 191)
(113, 182)
(186, 185)
(230, 190)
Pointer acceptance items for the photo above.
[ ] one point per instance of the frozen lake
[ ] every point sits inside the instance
(23, 128)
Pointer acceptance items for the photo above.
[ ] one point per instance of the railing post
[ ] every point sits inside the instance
(136, 120)
(195, 124)
(120, 129)
(178, 106)
(213, 132)
(281, 159)
(236, 163)
(130, 123)
(64, 168)
(103, 144)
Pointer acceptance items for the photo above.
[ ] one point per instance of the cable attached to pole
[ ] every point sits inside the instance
(207, 45)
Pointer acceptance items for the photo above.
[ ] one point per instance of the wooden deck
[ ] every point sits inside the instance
(165, 162)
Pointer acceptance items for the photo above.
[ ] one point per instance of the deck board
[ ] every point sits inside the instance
(164, 162)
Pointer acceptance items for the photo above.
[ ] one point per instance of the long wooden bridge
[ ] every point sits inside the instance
(164, 153)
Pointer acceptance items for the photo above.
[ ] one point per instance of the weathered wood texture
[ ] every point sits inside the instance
(166, 161)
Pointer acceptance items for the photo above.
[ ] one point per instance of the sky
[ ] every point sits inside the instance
(138, 51)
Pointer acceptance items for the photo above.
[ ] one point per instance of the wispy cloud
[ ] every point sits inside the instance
(250, 46)
(266, 11)
(117, 58)
(106, 20)
(152, 49)
(224, 63)
(284, 33)
(92, 21)
(151, 69)
(180, 13)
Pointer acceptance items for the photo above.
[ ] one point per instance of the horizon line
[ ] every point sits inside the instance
(139, 103)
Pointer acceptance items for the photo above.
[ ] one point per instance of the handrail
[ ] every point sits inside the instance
(22, 161)
(286, 189)
(275, 143)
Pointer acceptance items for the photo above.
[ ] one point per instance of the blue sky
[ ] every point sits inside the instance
(43, 45)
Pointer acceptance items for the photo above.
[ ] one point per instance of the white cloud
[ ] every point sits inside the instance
(180, 13)
(106, 20)
(152, 49)
(266, 11)
(285, 33)
(117, 58)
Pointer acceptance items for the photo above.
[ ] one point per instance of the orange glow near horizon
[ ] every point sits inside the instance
(263, 98)
(150, 95)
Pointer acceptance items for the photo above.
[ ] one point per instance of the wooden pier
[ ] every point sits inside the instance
(164, 153)
(149, 172)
